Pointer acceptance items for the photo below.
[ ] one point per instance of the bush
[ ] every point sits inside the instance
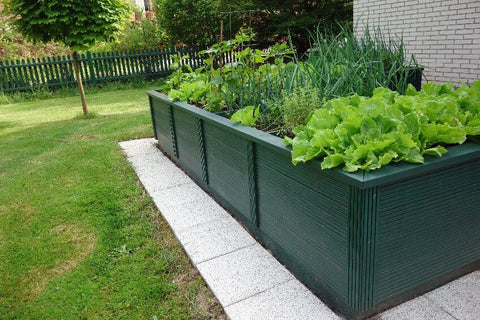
(142, 34)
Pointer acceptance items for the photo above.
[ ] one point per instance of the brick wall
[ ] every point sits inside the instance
(444, 35)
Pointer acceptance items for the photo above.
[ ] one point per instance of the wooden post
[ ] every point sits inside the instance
(79, 82)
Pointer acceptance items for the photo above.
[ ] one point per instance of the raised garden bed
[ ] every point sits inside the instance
(361, 241)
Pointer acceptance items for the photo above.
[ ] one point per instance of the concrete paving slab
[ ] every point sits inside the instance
(143, 162)
(214, 238)
(460, 298)
(163, 180)
(420, 308)
(178, 195)
(139, 146)
(241, 274)
(192, 213)
(290, 300)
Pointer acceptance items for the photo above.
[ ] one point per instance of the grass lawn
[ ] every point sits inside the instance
(79, 238)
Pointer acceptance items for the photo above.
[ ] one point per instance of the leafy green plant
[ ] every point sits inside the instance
(247, 116)
(367, 133)
(287, 88)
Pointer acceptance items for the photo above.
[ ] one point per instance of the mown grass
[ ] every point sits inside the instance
(79, 238)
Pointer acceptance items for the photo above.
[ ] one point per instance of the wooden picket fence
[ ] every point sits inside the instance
(57, 72)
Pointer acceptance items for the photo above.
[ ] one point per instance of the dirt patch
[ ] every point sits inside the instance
(84, 137)
(72, 235)
(25, 210)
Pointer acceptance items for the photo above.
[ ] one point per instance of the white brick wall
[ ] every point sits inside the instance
(444, 35)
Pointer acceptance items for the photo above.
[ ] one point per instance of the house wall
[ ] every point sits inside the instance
(444, 35)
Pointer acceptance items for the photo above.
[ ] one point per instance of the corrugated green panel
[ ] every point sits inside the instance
(305, 214)
(161, 118)
(361, 247)
(188, 144)
(427, 226)
(226, 157)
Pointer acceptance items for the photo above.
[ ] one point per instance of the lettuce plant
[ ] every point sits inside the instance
(367, 133)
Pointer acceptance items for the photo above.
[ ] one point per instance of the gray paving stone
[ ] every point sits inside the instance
(164, 180)
(214, 238)
(242, 274)
(288, 301)
(152, 160)
(139, 146)
(461, 298)
(420, 308)
(152, 164)
(178, 195)
(192, 213)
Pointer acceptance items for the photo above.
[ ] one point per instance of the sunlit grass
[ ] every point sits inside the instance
(79, 238)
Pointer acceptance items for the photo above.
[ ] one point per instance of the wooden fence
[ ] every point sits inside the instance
(58, 72)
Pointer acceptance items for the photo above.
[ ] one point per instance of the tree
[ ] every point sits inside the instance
(281, 18)
(76, 23)
(190, 22)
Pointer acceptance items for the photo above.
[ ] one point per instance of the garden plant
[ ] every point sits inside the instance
(336, 102)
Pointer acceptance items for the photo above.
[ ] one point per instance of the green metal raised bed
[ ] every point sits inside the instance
(362, 242)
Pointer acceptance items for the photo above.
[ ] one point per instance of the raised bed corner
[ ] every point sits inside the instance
(362, 242)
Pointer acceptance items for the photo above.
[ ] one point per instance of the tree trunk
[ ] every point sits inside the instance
(79, 82)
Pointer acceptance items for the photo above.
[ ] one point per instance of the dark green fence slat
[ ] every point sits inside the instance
(27, 74)
(42, 70)
(138, 67)
(118, 65)
(8, 77)
(114, 66)
(111, 66)
(36, 68)
(83, 67)
(111, 63)
(20, 70)
(121, 61)
(67, 76)
(30, 74)
(101, 63)
(163, 60)
(90, 67)
(105, 66)
(56, 67)
(15, 74)
(108, 66)
(53, 80)
(2, 77)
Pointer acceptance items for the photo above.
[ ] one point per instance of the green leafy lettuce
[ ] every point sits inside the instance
(367, 133)
(247, 116)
